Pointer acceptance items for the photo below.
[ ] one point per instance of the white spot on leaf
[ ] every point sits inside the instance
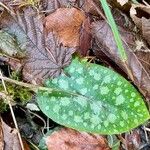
(47, 108)
(63, 84)
(86, 115)
(124, 115)
(107, 79)
(80, 81)
(122, 123)
(80, 70)
(99, 126)
(81, 101)
(56, 109)
(120, 99)
(119, 83)
(77, 119)
(95, 119)
(118, 91)
(104, 90)
(65, 101)
(64, 116)
(112, 118)
(95, 87)
(106, 123)
(70, 113)
(136, 104)
(83, 91)
(133, 94)
(72, 70)
(53, 99)
(85, 124)
(91, 72)
(54, 81)
(97, 76)
(96, 107)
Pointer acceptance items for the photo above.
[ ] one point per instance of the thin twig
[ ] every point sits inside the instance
(145, 131)
(30, 86)
(4, 6)
(13, 115)
(35, 88)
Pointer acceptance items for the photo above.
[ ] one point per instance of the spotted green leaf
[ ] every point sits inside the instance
(92, 98)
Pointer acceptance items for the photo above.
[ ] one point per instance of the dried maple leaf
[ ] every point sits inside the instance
(66, 24)
(105, 41)
(45, 56)
(69, 139)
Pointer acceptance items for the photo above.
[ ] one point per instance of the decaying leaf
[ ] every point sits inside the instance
(69, 139)
(140, 14)
(66, 24)
(8, 44)
(105, 41)
(1, 136)
(85, 37)
(45, 56)
(133, 140)
(11, 141)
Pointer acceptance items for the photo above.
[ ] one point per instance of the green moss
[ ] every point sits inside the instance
(20, 95)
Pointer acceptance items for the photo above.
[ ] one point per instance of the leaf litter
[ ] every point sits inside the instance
(66, 138)
(46, 55)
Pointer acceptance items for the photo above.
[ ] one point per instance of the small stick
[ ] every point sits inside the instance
(13, 115)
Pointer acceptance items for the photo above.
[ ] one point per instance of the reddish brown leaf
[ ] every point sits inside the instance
(68, 139)
(85, 37)
(66, 24)
(105, 41)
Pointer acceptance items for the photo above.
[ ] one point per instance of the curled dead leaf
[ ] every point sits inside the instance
(140, 14)
(69, 139)
(66, 24)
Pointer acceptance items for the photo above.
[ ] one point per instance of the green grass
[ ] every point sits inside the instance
(114, 29)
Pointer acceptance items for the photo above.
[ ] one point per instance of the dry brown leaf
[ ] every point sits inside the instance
(52, 5)
(85, 37)
(69, 139)
(133, 140)
(1, 136)
(105, 41)
(140, 14)
(66, 24)
(11, 141)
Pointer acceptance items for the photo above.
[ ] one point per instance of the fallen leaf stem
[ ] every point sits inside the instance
(27, 85)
